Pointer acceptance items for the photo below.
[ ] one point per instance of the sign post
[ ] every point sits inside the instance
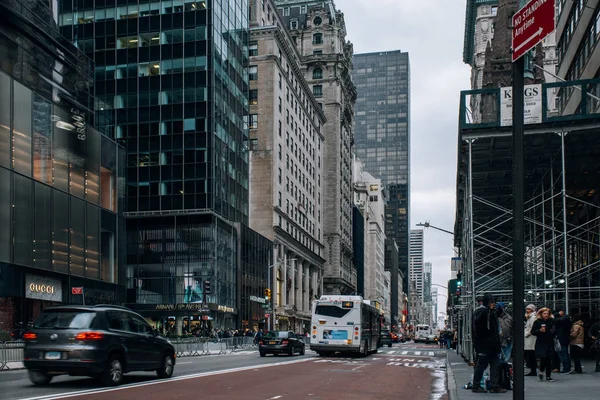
(531, 24)
(79, 291)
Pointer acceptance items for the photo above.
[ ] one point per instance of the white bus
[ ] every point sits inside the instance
(345, 324)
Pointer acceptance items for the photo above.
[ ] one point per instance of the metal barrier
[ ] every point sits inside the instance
(10, 352)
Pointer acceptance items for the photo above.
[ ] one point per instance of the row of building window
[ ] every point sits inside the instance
(131, 11)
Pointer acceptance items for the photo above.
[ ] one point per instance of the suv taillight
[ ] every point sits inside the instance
(90, 336)
(285, 342)
(260, 343)
(29, 336)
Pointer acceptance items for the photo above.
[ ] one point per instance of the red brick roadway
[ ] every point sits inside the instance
(317, 378)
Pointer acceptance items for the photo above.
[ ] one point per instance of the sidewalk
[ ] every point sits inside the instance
(584, 386)
(12, 366)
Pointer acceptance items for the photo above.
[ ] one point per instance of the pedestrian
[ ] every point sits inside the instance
(506, 331)
(544, 345)
(530, 317)
(486, 331)
(577, 335)
(562, 325)
(594, 334)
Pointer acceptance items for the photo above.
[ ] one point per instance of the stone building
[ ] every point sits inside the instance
(369, 197)
(319, 32)
(286, 159)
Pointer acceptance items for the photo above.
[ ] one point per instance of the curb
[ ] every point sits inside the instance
(450, 381)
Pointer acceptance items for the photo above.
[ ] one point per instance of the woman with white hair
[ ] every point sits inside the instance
(530, 340)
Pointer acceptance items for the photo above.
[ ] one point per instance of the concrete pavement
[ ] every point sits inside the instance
(584, 386)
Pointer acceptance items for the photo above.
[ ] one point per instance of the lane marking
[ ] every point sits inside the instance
(275, 397)
(404, 352)
(161, 381)
(185, 362)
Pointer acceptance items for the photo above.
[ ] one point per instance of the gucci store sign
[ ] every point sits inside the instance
(41, 288)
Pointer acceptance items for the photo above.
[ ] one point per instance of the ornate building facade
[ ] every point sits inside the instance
(286, 160)
(319, 32)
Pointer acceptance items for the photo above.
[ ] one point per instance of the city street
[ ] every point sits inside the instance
(418, 371)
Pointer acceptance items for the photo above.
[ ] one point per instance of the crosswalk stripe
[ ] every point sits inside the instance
(431, 353)
(391, 352)
(417, 353)
(405, 352)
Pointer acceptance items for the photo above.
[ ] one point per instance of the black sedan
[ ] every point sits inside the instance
(385, 338)
(280, 342)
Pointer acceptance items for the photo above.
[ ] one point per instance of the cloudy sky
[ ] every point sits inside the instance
(431, 31)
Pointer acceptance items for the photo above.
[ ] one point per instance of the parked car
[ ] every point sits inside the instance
(385, 338)
(102, 341)
(281, 342)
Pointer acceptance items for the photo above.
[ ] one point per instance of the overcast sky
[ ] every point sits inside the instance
(431, 31)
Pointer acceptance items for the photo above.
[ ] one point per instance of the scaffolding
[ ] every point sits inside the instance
(562, 215)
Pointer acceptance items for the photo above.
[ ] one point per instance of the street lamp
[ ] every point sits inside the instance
(271, 301)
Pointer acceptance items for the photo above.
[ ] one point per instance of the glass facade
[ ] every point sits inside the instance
(382, 135)
(256, 255)
(59, 194)
(171, 83)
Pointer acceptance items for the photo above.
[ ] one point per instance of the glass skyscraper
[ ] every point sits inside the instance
(171, 84)
(382, 136)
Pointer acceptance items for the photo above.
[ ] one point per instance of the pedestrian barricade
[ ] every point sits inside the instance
(11, 352)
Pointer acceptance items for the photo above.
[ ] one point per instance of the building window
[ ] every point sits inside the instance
(302, 9)
(279, 178)
(494, 10)
(253, 121)
(253, 72)
(318, 90)
(294, 25)
(317, 73)
(317, 21)
(279, 152)
(280, 200)
(253, 97)
(253, 144)
(280, 104)
(317, 52)
(253, 49)
(286, 12)
(318, 38)
(279, 128)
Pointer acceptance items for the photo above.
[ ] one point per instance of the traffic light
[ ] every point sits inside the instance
(268, 294)
(207, 287)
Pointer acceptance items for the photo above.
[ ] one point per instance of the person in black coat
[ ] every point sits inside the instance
(544, 330)
(486, 332)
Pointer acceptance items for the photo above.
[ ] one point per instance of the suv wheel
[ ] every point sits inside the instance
(39, 378)
(113, 374)
(166, 369)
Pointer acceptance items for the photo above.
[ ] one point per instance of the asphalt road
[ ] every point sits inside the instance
(415, 370)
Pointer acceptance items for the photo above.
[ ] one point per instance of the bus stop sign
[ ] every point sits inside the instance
(531, 24)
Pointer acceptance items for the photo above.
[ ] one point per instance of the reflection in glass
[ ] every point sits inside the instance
(23, 208)
(60, 241)
(5, 108)
(22, 130)
(5, 209)
(77, 256)
(42, 139)
(92, 265)
(60, 161)
(42, 228)
(92, 166)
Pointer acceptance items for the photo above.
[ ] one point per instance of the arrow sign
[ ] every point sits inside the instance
(531, 24)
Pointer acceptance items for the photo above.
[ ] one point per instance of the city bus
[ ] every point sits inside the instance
(344, 324)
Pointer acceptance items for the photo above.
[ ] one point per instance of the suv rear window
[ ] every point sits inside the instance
(67, 319)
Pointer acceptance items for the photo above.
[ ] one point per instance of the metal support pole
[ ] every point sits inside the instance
(552, 248)
(471, 350)
(518, 232)
(565, 238)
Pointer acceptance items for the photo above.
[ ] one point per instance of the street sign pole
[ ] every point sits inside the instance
(518, 72)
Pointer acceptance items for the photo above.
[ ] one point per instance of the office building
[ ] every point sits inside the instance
(382, 134)
(415, 274)
(171, 83)
(369, 198)
(61, 236)
(286, 159)
(318, 30)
